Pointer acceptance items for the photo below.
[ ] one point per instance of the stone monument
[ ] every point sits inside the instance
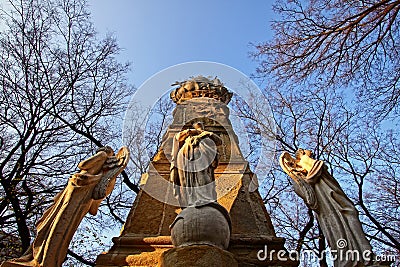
(145, 239)
(84, 192)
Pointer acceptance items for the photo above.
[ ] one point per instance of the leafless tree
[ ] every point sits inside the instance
(332, 72)
(351, 43)
(361, 154)
(62, 95)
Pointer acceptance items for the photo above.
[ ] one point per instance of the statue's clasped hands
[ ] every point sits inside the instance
(113, 162)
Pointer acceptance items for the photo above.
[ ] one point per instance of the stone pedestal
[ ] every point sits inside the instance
(197, 256)
(146, 233)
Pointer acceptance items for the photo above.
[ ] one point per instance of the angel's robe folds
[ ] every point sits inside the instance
(337, 216)
(59, 223)
(83, 194)
(336, 213)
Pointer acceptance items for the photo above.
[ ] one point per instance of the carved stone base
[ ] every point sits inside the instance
(197, 256)
(135, 251)
(252, 251)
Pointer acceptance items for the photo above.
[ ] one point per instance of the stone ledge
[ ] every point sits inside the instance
(197, 256)
(140, 240)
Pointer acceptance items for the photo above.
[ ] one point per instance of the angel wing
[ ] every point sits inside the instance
(114, 168)
(301, 187)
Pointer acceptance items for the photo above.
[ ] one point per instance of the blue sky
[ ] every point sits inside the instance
(158, 34)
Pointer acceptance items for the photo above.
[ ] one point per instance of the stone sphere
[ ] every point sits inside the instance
(204, 225)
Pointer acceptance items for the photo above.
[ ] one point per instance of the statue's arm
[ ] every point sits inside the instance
(84, 179)
(181, 136)
(301, 186)
(95, 160)
(314, 173)
(213, 136)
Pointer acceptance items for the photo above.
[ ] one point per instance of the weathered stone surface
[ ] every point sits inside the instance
(197, 256)
(204, 225)
(135, 251)
(201, 87)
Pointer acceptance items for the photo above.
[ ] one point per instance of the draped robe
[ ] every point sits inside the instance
(336, 213)
(195, 157)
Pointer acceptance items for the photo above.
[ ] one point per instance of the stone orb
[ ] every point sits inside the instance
(204, 225)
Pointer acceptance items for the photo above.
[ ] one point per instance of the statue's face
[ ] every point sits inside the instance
(198, 126)
(299, 153)
(109, 151)
(308, 153)
(303, 152)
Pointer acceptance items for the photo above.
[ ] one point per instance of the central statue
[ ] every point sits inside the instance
(194, 158)
(202, 220)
